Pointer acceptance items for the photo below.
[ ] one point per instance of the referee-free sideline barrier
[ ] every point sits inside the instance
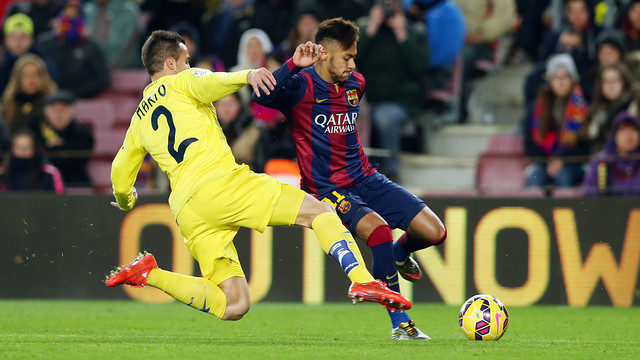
(524, 251)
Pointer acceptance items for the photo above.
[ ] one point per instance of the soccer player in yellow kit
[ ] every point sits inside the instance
(212, 196)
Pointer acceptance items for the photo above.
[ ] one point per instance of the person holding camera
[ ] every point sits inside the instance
(393, 56)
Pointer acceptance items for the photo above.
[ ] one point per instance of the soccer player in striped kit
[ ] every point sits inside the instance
(319, 91)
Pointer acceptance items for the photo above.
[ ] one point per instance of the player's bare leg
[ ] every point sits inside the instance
(197, 292)
(425, 230)
(236, 291)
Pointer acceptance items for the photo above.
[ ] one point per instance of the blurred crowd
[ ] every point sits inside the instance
(417, 56)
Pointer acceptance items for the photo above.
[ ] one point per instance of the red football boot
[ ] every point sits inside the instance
(378, 292)
(134, 274)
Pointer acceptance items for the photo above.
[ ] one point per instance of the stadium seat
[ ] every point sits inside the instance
(497, 174)
(97, 114)
(529, 192)
(489, 65)
(100, 174)
(511, 144)
(130, 82)
(124, 109)
(565, 193)
(452, 90)
(108, 142)
(464, 193)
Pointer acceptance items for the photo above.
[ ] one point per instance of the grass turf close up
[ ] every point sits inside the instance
(72, 329)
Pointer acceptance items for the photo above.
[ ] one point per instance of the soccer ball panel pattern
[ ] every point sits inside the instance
(483, 317)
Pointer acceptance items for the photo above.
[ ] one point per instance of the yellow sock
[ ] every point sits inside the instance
(337, 241)
(197, 292)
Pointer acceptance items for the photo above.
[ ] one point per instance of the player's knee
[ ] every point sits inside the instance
(441, 235)
(236, 311)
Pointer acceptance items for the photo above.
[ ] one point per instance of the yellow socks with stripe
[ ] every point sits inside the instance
(197, 292)
(337, 241)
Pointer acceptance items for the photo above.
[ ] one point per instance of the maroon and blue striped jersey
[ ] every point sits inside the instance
(322, 117)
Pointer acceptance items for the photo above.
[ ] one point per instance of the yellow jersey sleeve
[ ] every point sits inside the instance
(124, 169)
(206, 86)
(177, 125)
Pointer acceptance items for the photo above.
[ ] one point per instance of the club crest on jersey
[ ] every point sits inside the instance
(352, 97)
(344, 206)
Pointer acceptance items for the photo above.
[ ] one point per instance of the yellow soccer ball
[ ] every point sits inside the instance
(483, 317)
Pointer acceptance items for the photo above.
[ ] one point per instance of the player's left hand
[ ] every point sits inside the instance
(261, 79)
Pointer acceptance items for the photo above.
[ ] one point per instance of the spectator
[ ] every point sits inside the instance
(222, 32)
(80, 60)
(274, 17)
(266, 117)
(393, 57)
(614, 93)
(42, 12)
(210, 62)
(610, 50)
(611, 47)
(18, 40)
(5, 137)
(23, 99)
(532, 26)
(275, 59)
(252, 50)
(629, 23)
(553, 129)
(163, 14)
(304, 27)
(578, 38)
(252, 54)
(25, 169)
(347, 9)
(244, 137)
(446, 29)
(486, 21)
(68, 142)
(191, 37)
(115, 26)
(616, 169)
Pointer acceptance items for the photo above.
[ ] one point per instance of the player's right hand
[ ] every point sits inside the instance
(135, 195)
(307, 54)
(261, 79)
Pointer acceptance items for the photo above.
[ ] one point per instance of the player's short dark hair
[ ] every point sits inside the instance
(343, 31)
(160, 45)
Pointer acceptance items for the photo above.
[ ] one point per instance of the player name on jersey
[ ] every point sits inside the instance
(148, 103)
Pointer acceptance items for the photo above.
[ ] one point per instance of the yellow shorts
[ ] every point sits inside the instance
(210, 219)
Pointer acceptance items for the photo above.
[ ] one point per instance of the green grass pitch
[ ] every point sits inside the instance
(72, 329)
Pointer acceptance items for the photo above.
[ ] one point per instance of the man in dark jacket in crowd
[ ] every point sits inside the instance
(393, 57)
(67, 142)
(80, 60)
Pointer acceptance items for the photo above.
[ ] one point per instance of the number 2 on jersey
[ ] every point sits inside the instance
(178, 155)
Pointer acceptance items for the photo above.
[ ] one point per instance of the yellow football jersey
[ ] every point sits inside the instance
(177, 124)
